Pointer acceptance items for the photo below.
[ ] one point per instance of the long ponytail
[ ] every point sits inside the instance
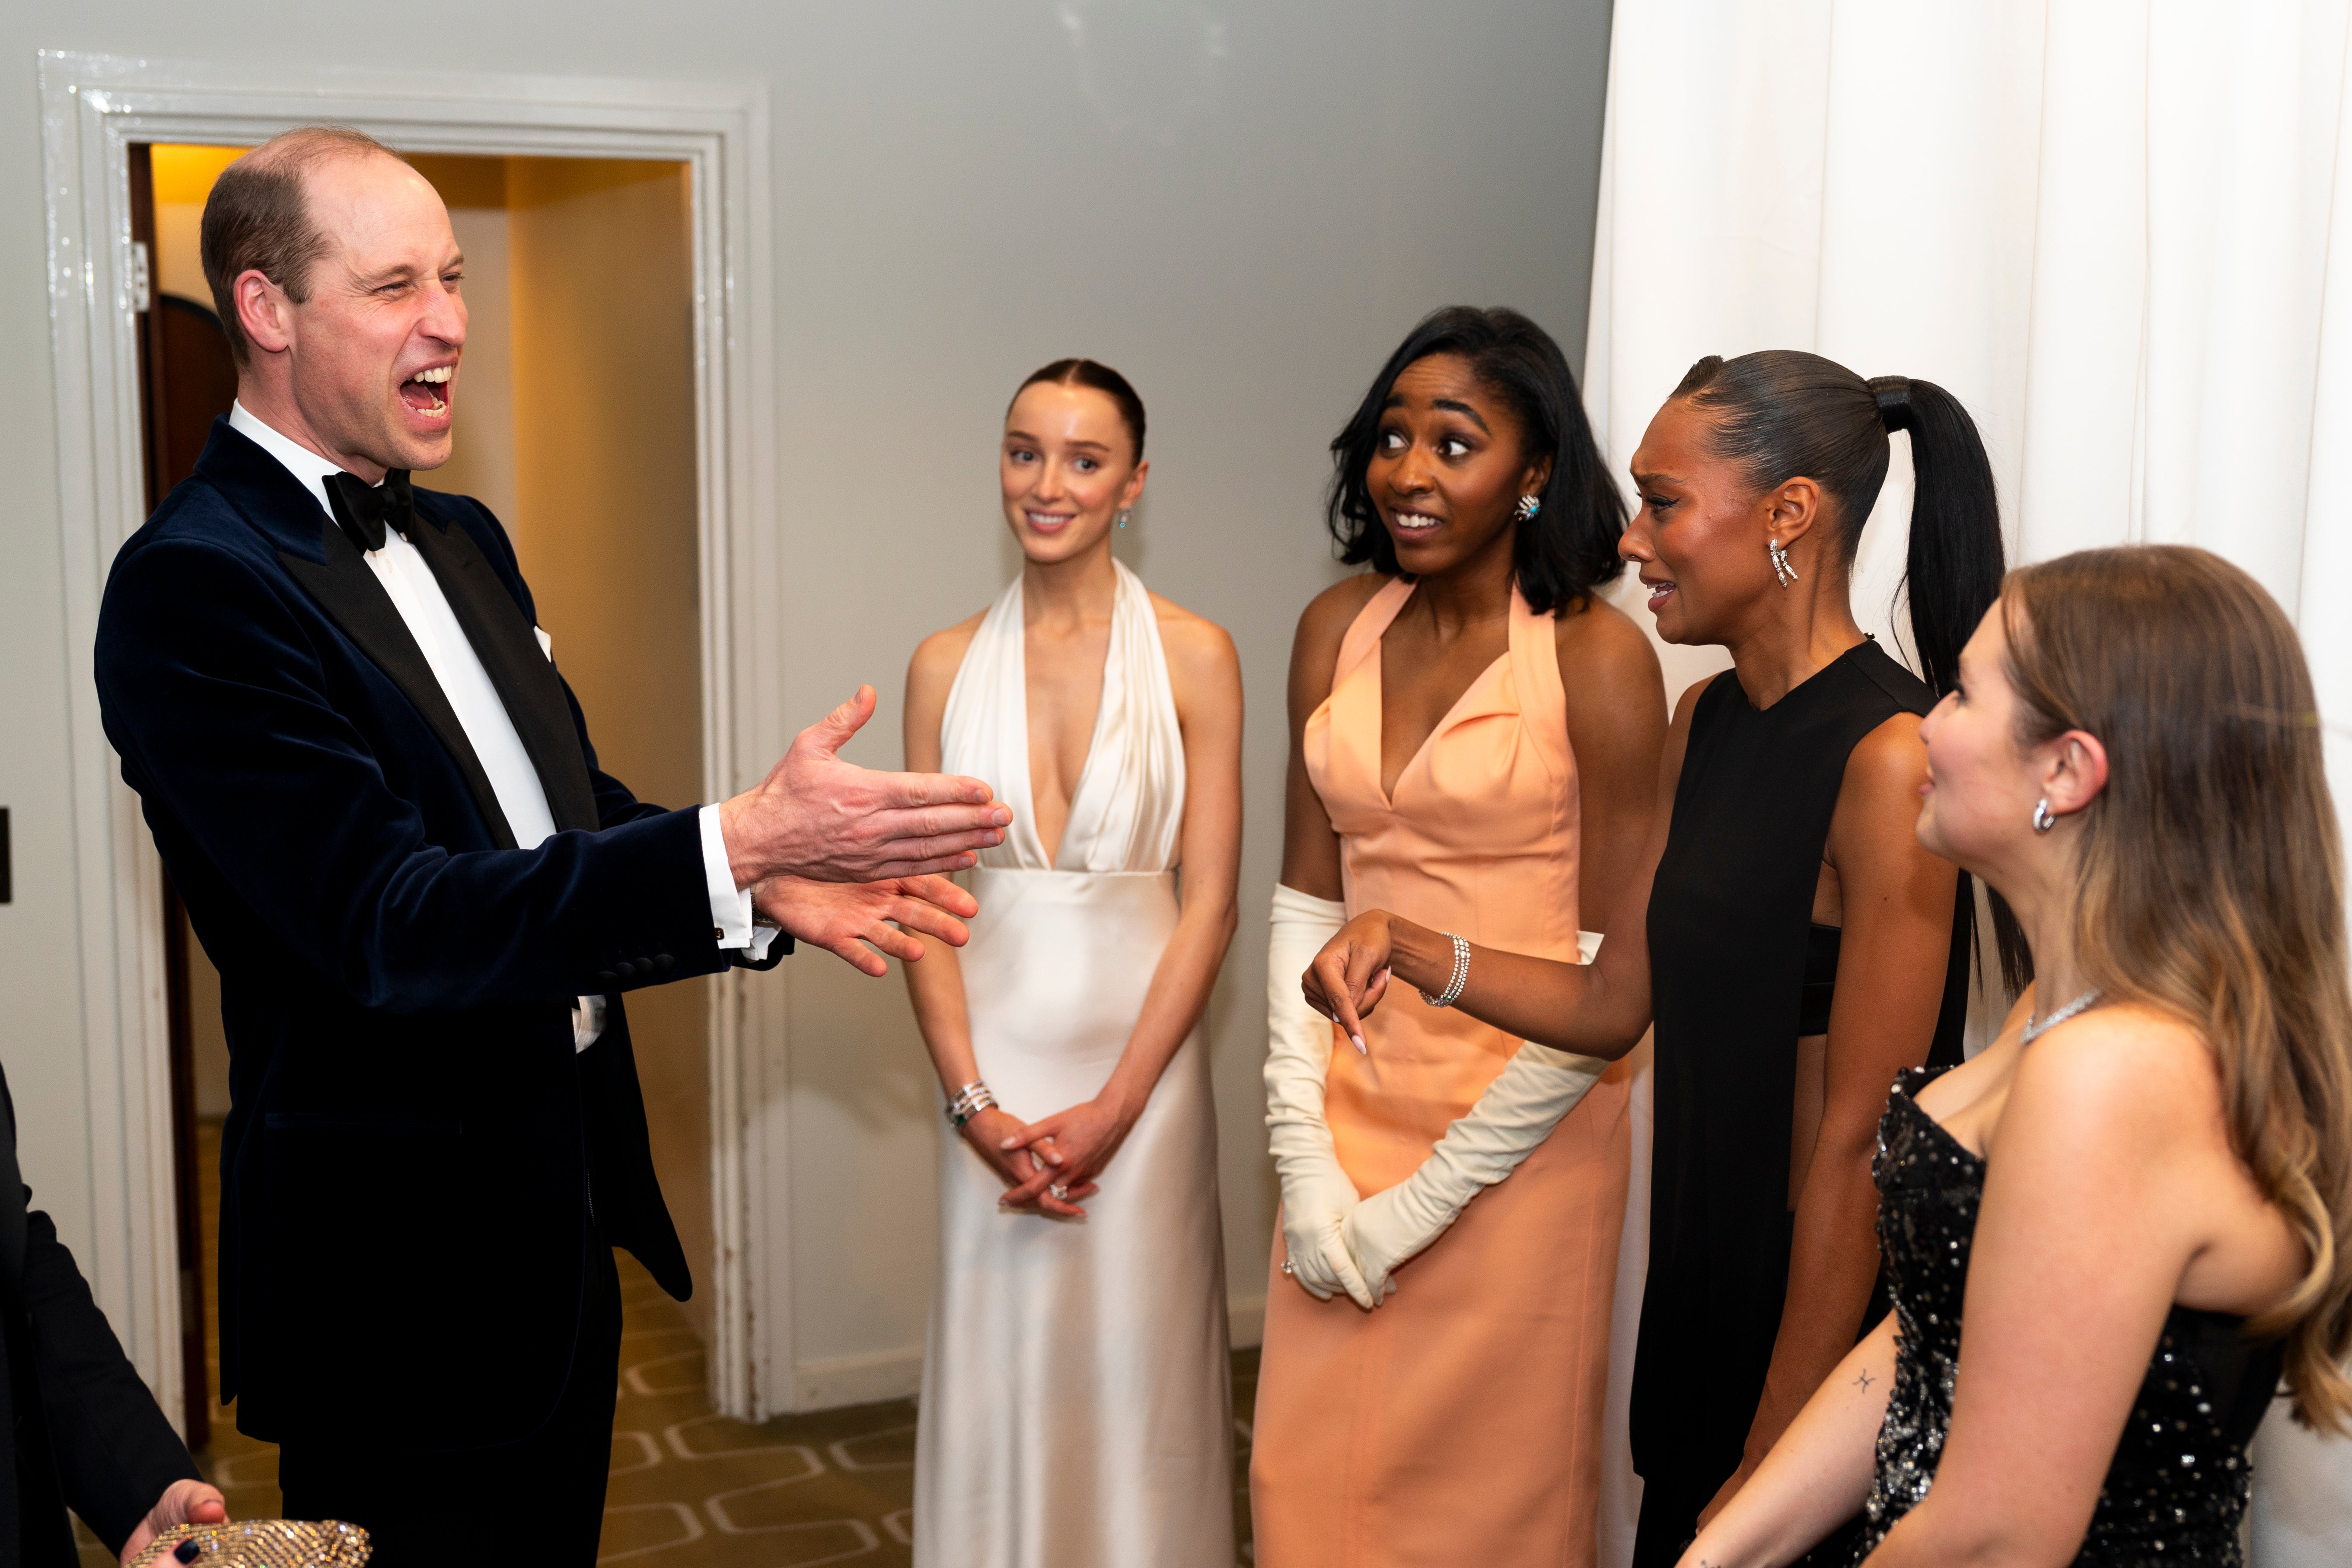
(1784, 412)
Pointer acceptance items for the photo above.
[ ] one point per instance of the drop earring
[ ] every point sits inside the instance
(1122, 516)
(1528, 507)
(1781, 567)
(2042, 821)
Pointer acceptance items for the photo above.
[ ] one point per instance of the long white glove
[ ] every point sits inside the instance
(1315, 1192)
(1517, 1112)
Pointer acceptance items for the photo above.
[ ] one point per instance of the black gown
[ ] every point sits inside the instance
(2176, 1490)
(1730, 922)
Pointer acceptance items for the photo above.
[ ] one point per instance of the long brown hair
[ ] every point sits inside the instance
(2211, 877)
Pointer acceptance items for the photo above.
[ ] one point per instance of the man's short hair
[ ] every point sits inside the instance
(258, 220)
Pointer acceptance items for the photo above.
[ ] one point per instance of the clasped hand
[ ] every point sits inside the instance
(842, 856)
(1065, 1151)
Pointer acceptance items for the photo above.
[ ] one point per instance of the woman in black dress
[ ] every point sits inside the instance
(2140, 1193)
(1801, 948)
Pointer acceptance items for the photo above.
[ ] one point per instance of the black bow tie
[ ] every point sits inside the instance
(363, 511)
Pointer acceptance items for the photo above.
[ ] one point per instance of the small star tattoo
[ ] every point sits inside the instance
(1864, 1381)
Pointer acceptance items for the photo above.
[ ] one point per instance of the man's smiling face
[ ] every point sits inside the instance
(374, 350)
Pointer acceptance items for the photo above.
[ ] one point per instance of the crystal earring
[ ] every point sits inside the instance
(1123, 516)
(2042, 821)
(1528, 507)
(1781, 567)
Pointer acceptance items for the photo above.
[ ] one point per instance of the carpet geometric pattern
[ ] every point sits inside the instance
(691, 1489)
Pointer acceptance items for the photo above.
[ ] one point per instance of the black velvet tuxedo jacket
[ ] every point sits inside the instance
(415, 1160)
(78, 1428)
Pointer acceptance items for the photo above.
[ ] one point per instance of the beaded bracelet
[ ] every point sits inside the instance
(1460, 974)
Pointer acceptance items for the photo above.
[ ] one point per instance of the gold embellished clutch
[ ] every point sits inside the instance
(258, 1543)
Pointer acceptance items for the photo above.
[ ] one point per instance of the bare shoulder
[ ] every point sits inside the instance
(1330, 613)
(1596, 636)
(939, 656)
(1889, 762)
(1200, 645)
(2123, 1072)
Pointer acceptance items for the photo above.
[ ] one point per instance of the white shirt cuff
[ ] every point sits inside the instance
(587, 1022)
(731, 906)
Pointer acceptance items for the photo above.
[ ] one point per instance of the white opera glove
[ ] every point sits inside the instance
(1517, 1113)
(1317, 1195)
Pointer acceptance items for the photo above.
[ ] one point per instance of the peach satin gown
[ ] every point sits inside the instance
(1462, 1421)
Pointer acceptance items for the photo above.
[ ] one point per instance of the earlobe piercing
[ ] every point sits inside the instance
(1781, 567)
(1528, 507)
(2042, 821)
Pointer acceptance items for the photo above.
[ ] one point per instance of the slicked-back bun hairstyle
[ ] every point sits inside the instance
(1102, 379)
(1569, 547)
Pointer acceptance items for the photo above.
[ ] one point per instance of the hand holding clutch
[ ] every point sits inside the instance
(1317, 1195)
(1517, 1113)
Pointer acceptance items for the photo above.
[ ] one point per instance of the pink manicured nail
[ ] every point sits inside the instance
(1359, 1045)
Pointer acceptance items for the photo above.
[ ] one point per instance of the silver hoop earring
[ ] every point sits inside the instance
(1781, 567)
(2042, 821)
(1123, 513)
(1528, 507)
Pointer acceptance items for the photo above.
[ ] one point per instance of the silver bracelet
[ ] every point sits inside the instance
(970, 1101)
(1460, 974)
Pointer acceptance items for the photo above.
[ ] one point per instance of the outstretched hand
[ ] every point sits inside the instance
(818, 817)
(845, 917)
(182, 1502)
(1351, 975)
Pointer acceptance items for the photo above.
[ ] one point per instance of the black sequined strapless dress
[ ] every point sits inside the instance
(2177, 1489)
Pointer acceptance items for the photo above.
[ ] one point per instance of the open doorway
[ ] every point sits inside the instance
(576, 425)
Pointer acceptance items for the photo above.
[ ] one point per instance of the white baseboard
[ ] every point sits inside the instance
(830, 1381)
(835, 1381)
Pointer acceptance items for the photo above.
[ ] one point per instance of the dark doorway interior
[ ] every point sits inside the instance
(186, 379)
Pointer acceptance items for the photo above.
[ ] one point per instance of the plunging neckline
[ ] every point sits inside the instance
(1388, 790)
(1094, 734)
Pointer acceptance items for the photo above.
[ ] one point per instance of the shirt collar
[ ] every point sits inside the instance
(299, 460)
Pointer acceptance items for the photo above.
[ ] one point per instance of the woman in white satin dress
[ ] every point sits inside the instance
(1077, 1403)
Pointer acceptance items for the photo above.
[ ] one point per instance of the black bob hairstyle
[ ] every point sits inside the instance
(1102, 379)
(1569, 547)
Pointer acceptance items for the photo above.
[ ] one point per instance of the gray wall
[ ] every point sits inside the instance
(1242, 207)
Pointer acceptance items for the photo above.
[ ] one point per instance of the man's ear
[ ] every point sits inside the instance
(263, 310)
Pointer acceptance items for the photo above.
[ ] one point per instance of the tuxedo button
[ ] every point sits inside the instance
(664, 963)
(606, 977)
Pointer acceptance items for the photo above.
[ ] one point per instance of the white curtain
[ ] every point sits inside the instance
(2121, 233)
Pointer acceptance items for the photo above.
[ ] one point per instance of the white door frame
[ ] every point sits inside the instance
(92, 107)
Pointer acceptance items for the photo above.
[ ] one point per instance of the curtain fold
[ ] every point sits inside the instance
(2120, 232)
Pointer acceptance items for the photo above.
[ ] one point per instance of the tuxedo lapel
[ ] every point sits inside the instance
(346, 588)
(519, 668)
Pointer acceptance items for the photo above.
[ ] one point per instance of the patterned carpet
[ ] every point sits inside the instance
(691, 1489)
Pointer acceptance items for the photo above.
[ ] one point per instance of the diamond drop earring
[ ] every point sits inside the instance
(1781, 567)
(1528, 507)
(1123, 516)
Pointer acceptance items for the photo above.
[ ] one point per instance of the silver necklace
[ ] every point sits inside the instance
(2037, 1027)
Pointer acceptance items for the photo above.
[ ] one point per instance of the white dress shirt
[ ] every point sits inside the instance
(416, 593)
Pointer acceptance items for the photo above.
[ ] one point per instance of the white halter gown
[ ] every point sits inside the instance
(1077, 1405)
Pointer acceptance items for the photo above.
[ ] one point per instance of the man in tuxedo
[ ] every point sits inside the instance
(77, 1426)
(378, 801)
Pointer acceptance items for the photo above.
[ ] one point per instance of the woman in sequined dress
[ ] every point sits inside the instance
(2110, 1234)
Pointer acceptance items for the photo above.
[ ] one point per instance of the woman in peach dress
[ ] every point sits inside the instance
(1437, 1326)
